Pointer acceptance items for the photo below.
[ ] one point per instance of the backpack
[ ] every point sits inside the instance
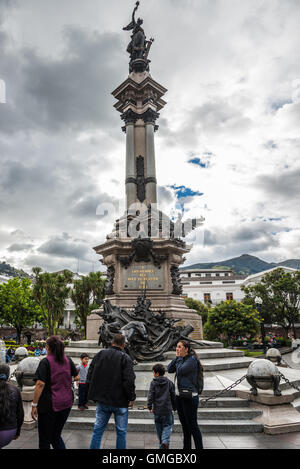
(200, 380)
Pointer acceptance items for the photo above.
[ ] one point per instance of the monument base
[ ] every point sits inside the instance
(147, 267)
(278, 414)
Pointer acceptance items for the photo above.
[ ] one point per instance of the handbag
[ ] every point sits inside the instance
(184, 393)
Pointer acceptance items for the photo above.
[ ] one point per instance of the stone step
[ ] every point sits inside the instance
(209, 364)
(212, 353)
(83, 344)
(220, 403)
(148, 426)
(203, 414)
(206, 345)
(202, 353)
(142, 392)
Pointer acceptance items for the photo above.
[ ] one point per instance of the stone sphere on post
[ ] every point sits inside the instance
(263, 374)
(274, 355)
(25, 371)
(20, 353)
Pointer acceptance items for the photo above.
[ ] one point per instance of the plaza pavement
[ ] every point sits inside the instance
(80, 439)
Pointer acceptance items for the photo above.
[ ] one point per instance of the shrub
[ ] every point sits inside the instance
(231, 320)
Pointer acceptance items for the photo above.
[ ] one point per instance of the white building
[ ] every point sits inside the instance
(216, 285)
(212, 285)
(256, 278)
(69, 314)
(4, 279)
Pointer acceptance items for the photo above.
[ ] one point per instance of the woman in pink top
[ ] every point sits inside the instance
(53, 396)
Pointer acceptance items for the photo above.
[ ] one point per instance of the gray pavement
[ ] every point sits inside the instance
(80, 439)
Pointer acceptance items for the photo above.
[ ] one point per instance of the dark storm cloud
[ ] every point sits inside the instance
(68, 92)
(281, 186)
(61, 247)
(86, 207)
(253, 237)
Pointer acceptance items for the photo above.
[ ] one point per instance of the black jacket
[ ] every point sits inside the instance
(111, 378)
(161, 396)
(16, 417)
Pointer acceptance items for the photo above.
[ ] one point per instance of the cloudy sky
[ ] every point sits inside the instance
(229, 139)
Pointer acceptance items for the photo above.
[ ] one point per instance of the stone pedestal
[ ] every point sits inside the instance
(278, 414)
(93, 323)
(153, 273)
(27, 399)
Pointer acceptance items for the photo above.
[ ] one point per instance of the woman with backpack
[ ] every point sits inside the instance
(189, 376)
(53, 396)
(11, 408)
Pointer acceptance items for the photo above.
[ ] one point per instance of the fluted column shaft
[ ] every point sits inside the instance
(151, 191)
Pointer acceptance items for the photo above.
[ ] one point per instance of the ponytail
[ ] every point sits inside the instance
(57, 348)
(4, 394)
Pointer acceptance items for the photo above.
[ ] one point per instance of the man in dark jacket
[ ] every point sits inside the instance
(161, 402)
(111, 384)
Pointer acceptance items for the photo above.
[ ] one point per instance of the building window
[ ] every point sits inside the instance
(229, 296)
(207, 298)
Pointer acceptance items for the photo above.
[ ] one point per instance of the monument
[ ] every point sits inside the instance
(145, 248)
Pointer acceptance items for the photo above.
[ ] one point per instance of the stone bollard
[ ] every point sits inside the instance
(24, 373)
(27, 399)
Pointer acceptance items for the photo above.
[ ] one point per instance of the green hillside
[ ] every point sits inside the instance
(6, 269)
(245, 264)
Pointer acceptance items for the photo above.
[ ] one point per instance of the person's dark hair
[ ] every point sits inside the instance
(84, 355)
(191, 352)
(159, 368)
(118, 340)
(4, 393)
(57, 348)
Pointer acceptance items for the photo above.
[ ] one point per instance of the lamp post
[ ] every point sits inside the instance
(258, 303)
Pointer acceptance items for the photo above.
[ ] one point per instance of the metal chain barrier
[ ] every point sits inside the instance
(220, 393)
(288, 382)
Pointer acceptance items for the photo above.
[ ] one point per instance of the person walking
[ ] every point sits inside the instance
(53, 397)
(189, 375)
(111, 382)
(161, 402)
(11, 409)
(82, 370)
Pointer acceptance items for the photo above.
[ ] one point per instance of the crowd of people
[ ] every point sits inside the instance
(109, 380)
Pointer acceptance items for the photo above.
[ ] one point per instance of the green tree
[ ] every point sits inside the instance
(229, 320)
(280, 294)
(18, 307)
(85, 294)
(51, 291)
(201, 308)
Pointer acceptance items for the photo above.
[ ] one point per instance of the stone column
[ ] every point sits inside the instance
(130, 165)
(27, 398)
(151, 192)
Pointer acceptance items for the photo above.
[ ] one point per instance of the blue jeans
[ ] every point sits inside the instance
(164, 426)
(103, 414)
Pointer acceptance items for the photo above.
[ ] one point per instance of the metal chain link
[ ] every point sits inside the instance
(288, 381)
(233, 385)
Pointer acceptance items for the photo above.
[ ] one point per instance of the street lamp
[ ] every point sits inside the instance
(258, 303)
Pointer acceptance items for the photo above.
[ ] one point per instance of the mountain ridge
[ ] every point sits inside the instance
(245, 264)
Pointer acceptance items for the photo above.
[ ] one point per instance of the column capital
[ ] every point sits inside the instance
(150, 116)
(130, 117)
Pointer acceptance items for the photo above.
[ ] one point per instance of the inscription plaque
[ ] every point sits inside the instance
(140, 276)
